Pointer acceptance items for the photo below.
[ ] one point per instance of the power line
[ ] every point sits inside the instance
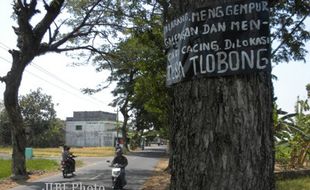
(6, 60)
(47, 73)
(7, 47)
(61, 80)
(59, 87)
(94, 100)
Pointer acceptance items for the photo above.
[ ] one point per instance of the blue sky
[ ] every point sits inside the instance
(53, 73)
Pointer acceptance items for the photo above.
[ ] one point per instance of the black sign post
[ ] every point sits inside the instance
(219, 40)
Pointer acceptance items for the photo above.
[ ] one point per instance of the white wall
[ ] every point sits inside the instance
(93, 133)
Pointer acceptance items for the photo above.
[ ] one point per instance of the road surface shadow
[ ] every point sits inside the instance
(135, 179)
(150, 152)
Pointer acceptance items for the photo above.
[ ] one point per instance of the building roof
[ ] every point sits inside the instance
(92, 116)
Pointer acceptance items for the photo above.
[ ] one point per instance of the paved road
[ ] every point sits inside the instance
(97, 175)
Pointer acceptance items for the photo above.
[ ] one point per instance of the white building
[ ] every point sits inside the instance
(91, 128)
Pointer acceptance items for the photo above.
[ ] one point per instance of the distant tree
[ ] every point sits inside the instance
(138, 70)
(138, 64)
(292, 132)
(40, 118)
(55, 135)
(5, 128)
(123, 93)
(151, 101)
(301, 134)
(43, 129)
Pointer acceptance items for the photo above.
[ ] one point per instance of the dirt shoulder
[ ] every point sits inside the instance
(160, 179)
(6, 184)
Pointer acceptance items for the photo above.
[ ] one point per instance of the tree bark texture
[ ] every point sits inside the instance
(222, 134)
(13, 80)
(222, 129)
(124, 111)
(124, 132)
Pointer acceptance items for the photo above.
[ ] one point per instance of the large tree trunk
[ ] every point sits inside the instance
(13, 80)
(124, 132)
(124, 112)
(222, 134)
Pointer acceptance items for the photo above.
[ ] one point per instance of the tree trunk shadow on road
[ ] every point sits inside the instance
(149, 153)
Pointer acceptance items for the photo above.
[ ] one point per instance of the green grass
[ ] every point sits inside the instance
(294, 184)
(42, 164)
(32, 165)
(5, 170)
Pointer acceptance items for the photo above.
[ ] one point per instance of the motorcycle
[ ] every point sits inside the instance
(118, 176)
(67, 167)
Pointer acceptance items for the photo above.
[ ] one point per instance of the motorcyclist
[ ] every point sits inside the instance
(118, 146)
(122, 162)
(68, 157)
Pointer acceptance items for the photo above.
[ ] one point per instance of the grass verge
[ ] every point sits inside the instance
(33, 166)
(160, 179)
(5, 166)
(37, 168)
(294, 184)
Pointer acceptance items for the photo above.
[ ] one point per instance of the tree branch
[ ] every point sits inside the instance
(3, 79)
(283, 26)
(92, 49)
(20, 4)
(23, 19)
(32, 8)
(52, 12)
(59, 50)
(75, 30)
(52, 38)
(294, 29)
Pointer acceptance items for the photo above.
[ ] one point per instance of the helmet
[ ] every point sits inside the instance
(66, 147)
(119, 151)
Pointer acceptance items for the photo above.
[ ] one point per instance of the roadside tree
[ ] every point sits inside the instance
(45, 27)
(222, 127)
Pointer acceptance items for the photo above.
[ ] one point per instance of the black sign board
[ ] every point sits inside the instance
(218, 40)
